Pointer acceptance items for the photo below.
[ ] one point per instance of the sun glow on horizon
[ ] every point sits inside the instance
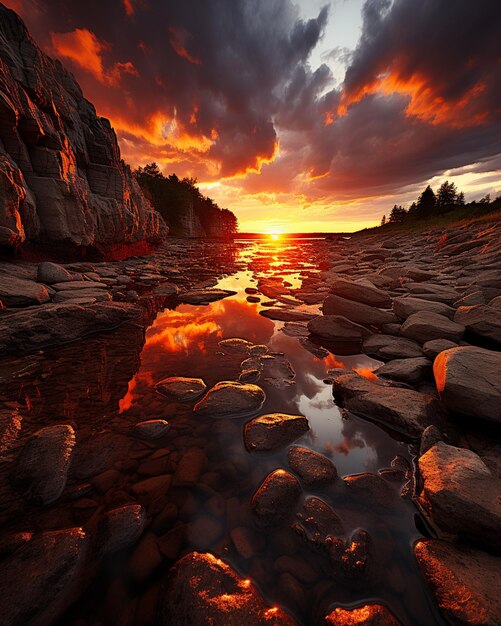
(275, 234)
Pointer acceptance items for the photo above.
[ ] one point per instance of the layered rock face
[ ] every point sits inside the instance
(63, 184)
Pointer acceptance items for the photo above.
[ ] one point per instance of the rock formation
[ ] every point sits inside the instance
(63, 184)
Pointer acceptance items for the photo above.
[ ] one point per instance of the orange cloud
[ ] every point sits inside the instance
(85, 50)
(178, 38)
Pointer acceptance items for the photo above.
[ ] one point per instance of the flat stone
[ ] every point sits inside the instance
(190, 467)
(50, 273)
(319, 521)
(469, 382)
(75, 296)
(426, 326)
(430, 291)
(231, 399)
(235, 345)
(465, 582)
(121, 528)
(337, 328)
(203, 589)
(273, 431)
(357, 312)
(411, 371)
(276, 497)
(42, 577)
(164, 290)
(181, 388)
(406, 306)
(44, 461)
(19, 292)
(390, 347)
(374, 490)
(367, 615)
(78, 284)
(403, 409)
(461, 494)
(313, 468)
(482, 321)
(364, 292)
(287, 315)
(151, 429)
(434, 347)
(204, 296)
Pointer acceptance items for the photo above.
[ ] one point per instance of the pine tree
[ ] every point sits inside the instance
(383, 220)
(426, 203)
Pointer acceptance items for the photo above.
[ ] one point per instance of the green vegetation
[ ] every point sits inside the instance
(179, 201)
(432, 210)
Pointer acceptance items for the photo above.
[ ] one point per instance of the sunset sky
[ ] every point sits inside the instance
(297, 116)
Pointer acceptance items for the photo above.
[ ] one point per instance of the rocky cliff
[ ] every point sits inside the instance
(63, 185)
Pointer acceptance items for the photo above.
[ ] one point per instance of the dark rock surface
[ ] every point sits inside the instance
(273, 431)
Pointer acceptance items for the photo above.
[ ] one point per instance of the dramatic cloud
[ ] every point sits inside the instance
(225, 91)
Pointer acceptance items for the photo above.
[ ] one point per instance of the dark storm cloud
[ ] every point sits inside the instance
(218, 70)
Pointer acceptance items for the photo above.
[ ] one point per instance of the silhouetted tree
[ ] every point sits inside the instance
(426, 203)
(446, 195)
(397, 214)
(460, 199)
(383, 220)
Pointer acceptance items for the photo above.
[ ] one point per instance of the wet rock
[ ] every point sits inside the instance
(426, 326)
(231, 399)
(165, 290)
(85, 296)
(98, 454)
(430, 291)
(249, 376)
(153, 487)
(240, 346)
(10, 427)
(411, 371)
(468, 381)
(54, 324)
(273, 431)
(431, 435)
(277, 370)
(433, 348)
(406, 306)
(314, 469)
(145, 559)
(16, 292)
(151, 429)
(190, 467)
(465, 582)
(203, 589)
(367, 615)
(402, 409)
(205, 531)
(372, 488)
(295, 329)
(287, 315)
(351, 560)
(121, 528)
(361, 291)
(337, 328)
(482, 321)
(181, 388)
(258, 350)
(461, 494)
(245, 541)
(390, 347)
(204, 296)
(44, 461)
(50, 273)
(276, 497)
(318, 521)
(78, 285)
(42, 577)
(357, 312)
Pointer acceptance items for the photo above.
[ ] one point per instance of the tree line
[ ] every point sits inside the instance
(430, 204)
(173, 198)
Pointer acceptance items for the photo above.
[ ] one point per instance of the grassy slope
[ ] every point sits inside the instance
(458, 217)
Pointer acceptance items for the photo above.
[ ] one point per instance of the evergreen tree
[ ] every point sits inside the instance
(426, 203)
(446, 195)
(383, 220)
(460, 199)
(397, 214)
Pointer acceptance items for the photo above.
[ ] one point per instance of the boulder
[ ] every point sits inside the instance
(202, 589)
(361, 291)
(434, 347)
(426, 326)
(273, 431)
(151, 429)
(50, 273)
(390, 347)
(231, 399)
(181, 388)
(337, 328)
(276, 497)
(235, 345)
(406, 306)
(367, 615)
(357, 312)
(468, 381)
(465, 582)
(19, 292)
(313, 469)
(429, 291)
(481, 321)
(287, 315)
(121, 528)
(42, 578)
(461, 494)
(411, 371)
(403, 409)
(204, 296)
(44, 461)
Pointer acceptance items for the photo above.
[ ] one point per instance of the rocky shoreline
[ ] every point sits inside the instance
(427, 305)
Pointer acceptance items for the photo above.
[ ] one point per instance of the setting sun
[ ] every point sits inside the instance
(275, 234)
